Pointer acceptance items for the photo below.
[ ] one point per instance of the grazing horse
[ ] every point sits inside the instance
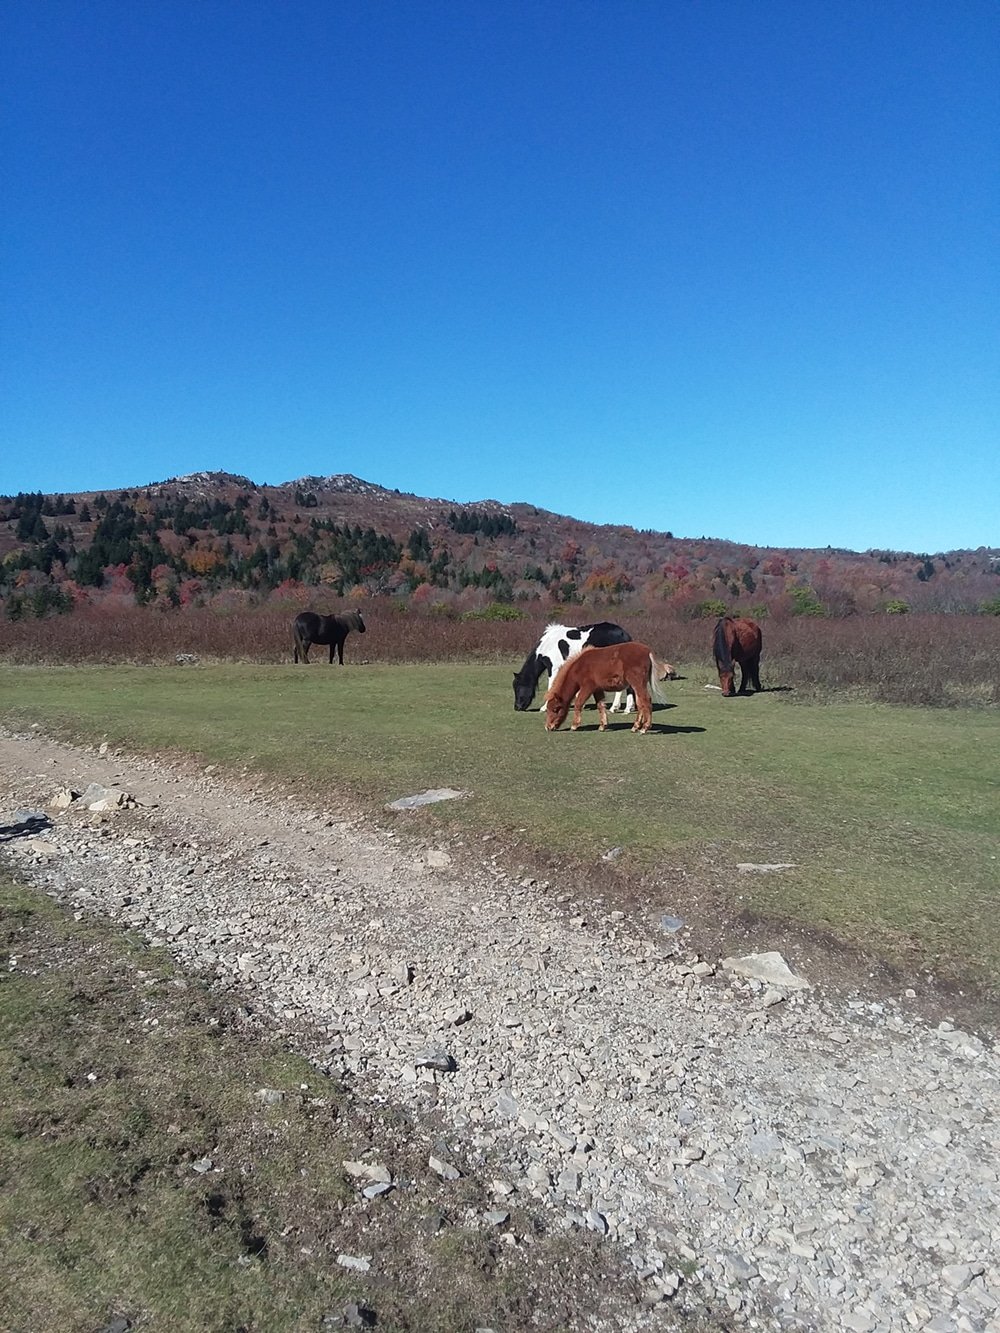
(309, 628)
(595, 670)
(557, 645)
(737, 640)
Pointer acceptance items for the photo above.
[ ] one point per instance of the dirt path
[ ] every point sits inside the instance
(796, 1158)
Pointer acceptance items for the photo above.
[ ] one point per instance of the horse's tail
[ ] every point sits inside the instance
(657, 672)
(723, 652)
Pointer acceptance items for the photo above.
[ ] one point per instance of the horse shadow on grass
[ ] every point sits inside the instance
(752, 694)
(618, 723)
(658, 728)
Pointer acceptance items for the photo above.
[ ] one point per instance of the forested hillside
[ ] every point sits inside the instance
(218, 539)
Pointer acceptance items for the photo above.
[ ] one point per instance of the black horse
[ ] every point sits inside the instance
(310, 628)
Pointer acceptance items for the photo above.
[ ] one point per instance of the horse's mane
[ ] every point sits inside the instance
(723, 654)
(558, 680)
(530, 663)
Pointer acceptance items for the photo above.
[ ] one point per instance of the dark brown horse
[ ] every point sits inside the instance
(594, 670)
(309, 628)
(737, 640)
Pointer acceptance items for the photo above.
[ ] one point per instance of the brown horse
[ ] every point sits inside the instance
(594, 670)
(737, 640)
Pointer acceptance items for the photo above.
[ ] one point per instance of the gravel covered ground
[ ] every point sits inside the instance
(794, 1158)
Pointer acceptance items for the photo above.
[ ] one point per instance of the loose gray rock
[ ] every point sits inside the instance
(442, 1168)
(63, 798)
(768, 967)
(428, 797)
(434, 1059)
(377, 1189)
(368, 1171)
(360, 1263)
(754, 868)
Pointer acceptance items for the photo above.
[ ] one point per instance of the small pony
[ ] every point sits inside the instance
(309, 628)
(737, 640)
(594, 670)
(557, 645)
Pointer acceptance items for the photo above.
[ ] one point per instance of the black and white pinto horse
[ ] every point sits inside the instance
(309, 628)
(557, 645)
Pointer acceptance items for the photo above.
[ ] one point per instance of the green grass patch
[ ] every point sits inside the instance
(889, 814)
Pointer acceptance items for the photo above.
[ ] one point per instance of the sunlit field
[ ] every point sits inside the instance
(889, 815)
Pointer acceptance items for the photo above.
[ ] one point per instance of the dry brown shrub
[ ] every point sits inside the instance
(931, 660)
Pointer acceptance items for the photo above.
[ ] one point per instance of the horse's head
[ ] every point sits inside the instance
(726, 681)
(359, 624)
(524, 692)
(666, 671)
(556, 710)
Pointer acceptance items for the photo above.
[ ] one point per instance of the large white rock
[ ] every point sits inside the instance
(769, 967)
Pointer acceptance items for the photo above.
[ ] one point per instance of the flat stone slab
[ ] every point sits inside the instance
(428, 797)
(769, 967)
(763, 868)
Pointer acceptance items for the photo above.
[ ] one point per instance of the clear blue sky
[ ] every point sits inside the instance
(725, 267)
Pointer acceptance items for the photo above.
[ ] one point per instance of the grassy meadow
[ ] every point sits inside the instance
(891, 815)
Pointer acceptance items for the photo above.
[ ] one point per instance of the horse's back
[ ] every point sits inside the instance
(748, 635)
(306, 624)
(605, 634)
(608, 663)
(561, 642)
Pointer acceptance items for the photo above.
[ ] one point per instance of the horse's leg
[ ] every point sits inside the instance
(755, 674)
(744, 676)
(644, 709)
(582, 695)
(602, 711)
(548, 685)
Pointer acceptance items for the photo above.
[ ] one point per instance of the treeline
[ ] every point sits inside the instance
(169, 549)
(487, 524)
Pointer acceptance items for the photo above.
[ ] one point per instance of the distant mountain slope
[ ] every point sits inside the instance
(212, 534)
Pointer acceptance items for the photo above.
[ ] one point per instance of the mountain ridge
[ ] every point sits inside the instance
(222, 530)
